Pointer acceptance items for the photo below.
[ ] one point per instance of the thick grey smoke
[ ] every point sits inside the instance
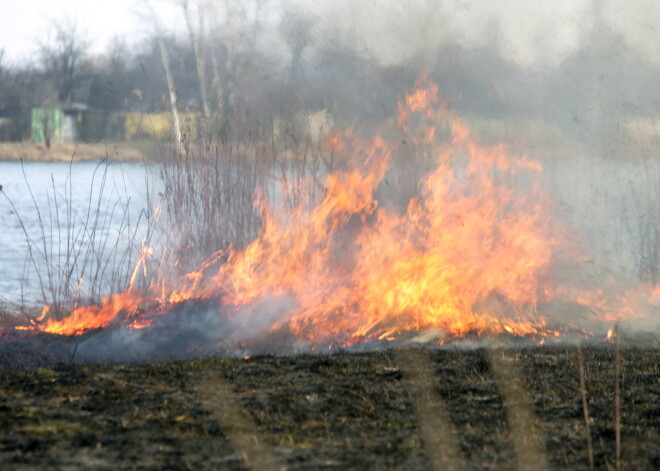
(532, 34)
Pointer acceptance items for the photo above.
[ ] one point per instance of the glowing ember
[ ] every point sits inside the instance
(471, 252)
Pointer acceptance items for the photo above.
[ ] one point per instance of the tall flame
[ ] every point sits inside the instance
(472, 251)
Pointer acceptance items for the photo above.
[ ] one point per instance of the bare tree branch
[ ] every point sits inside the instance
(62, 56)
(176, 122)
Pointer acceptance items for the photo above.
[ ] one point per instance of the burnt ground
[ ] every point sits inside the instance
(411, 409)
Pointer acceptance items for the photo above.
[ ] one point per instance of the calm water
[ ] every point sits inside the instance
(610, 207)
(59, 204)
(67, 201)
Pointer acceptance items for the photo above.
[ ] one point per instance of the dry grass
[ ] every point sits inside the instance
(525, 432)
(209, 194)
(81, 151)
(585, 406)
(218, 397)
(439, 435)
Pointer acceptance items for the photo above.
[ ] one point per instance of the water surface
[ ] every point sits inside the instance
(62, 208)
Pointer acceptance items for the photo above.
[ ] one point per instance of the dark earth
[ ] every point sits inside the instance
(411, 409)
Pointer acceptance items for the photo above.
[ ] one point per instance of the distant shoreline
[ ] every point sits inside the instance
(77, 152)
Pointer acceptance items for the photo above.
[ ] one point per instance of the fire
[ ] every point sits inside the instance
(610, 334)
(85, 318)
(471, 252)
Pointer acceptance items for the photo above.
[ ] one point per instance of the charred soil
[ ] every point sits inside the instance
(335, 411)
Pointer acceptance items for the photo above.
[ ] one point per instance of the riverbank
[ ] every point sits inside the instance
(78, 152)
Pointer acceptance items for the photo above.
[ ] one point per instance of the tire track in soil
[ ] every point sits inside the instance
(220, 400)
(525, 432)
(437, 430)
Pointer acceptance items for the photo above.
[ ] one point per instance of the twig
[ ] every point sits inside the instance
(585, 406)
(617, 396)
(72, 355)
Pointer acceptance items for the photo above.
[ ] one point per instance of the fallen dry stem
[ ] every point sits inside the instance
(585, 406)
(617, 397)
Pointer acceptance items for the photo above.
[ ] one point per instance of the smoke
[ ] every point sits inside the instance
(587, 67)
(531, 35)
(572, 84)
(193, 329)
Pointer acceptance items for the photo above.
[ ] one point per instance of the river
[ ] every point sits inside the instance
(608, 207)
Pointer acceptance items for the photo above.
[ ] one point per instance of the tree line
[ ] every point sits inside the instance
(236, 65)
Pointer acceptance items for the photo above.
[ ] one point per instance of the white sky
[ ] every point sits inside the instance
(24, 23)
(533, 32)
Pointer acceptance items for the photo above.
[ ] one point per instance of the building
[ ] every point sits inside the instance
(57, 125)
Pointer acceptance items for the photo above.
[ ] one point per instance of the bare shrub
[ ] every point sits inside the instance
(212, 186)
(79, 255)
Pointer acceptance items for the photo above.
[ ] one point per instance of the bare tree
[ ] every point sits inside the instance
(176, 122)
(196, 35)
(296, 29)
(233, 32)
(62, 56)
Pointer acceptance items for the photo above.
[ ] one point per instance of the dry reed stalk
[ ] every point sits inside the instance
(585, 406)
(617, 396)
(211, 189)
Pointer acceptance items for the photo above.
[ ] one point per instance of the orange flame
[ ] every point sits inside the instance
(469, 254)
(86, 318)
(472, 252)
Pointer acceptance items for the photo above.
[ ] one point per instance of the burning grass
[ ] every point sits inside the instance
(344, 410)
(418, 234)
(466, 243)
(366, 238)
